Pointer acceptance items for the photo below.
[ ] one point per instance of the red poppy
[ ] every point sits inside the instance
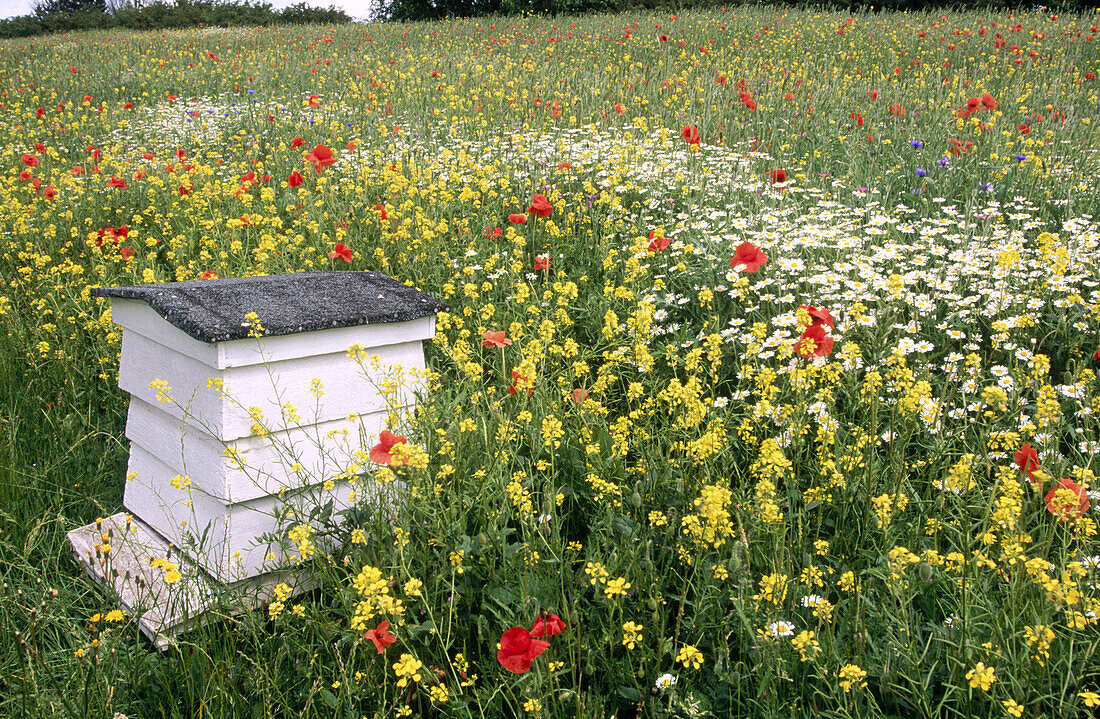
(690, 133)
(542, 262)
(494, 232)
(517, 218)
(540, 206)
(380, 636)
(380, 453)
(1067, 500)
(778, 175)
(815, 342)
(858, 118)
(547, 625)
(30, 160)
(897, 111)
(495, 339)
(296, 142)
(564, 166)
(184, 189)
(657, 243)
(295, 179)
(126, 253)
(78, 171)
(1027, 459)
(1096, 357)
(521, 382)
(989, 102)
(38, 146)
(818, 315)
(313, 101)
(209, 275)
(25, 176)
(749, 258)
(381, 210)
(342, 251)
(321, 157)
(40, 112)
(128, 106)
(789, 96)
(518, 648)
(579, 395)
(50, 192)
(116, 182)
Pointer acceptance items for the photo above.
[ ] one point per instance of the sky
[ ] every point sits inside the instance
(354, 8)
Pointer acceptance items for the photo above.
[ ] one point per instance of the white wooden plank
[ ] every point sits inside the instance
(135, 316)
(323, 450)
(237, 353)
(222, 538)
(348, 387)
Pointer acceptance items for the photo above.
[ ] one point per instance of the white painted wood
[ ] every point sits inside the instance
(137, 317)
(161, 608)
(348, 387)
(222, 538)
(237, 353)
(323, 450)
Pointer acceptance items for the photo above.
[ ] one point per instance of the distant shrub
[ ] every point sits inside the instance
(59, 17)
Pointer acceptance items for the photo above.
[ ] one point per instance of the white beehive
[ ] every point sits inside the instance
(194, 338)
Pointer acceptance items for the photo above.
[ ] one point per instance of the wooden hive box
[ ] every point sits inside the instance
(238, 390)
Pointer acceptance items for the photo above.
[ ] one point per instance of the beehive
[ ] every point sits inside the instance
(244, 401)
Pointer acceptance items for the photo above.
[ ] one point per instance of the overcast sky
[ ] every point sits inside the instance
(355, 8)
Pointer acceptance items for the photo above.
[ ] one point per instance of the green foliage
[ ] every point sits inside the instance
(70, 15)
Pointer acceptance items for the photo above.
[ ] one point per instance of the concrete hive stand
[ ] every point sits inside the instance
(187, 502)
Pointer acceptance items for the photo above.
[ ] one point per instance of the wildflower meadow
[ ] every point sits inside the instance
(767, 386)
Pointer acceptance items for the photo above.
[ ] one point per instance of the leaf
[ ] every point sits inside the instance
(329, 698)
(631, 694)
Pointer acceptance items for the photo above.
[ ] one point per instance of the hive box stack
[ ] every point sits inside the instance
(244, 408)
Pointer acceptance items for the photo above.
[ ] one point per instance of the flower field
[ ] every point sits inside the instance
(768, 386)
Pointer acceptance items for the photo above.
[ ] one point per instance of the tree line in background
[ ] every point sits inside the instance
(407, 10)
(68, 15)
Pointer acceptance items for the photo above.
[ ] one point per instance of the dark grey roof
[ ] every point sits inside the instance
(214, 310)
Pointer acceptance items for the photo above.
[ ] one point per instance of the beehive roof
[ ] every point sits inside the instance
(214, 310)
